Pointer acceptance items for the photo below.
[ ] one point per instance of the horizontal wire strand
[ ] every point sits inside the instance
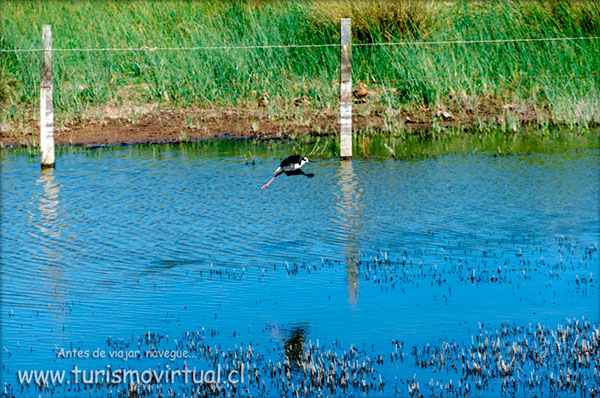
(283, 46)
(148, 85)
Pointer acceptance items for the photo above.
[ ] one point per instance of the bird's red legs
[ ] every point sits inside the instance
(270, 181)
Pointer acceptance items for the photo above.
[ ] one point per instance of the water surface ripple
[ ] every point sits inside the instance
(117, 242)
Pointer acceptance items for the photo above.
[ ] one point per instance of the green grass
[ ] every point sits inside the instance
(462, 77)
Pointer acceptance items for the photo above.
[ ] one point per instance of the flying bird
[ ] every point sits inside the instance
(290, 166)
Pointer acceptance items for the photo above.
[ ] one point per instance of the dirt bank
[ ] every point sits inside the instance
(149, 124)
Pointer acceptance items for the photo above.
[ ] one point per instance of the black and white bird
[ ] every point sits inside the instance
(290, 166)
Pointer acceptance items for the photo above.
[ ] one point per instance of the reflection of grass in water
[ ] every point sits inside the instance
(456, 141)
(459, 141)
(367, 145)
(203, 78)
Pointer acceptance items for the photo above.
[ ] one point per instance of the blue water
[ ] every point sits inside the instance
(114, 244)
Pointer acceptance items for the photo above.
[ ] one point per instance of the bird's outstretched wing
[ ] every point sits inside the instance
(297, 172)
(293, 159)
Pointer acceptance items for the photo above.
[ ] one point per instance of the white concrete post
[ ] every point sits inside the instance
(46, 107)
(346, 91)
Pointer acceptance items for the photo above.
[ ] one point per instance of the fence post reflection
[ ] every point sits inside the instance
(48, 203)
(49, 227)
(349, 207)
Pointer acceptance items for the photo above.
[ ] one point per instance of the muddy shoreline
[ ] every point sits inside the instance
(152, 125)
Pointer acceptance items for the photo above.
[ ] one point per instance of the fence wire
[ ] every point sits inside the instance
(297, 82)
(285, 46)
(291, 46)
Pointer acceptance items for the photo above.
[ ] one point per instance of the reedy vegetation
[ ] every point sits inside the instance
(459, 77)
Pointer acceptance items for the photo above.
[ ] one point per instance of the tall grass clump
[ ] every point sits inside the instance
(558, 79)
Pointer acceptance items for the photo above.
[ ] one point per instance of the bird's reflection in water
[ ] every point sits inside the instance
(294, 339)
